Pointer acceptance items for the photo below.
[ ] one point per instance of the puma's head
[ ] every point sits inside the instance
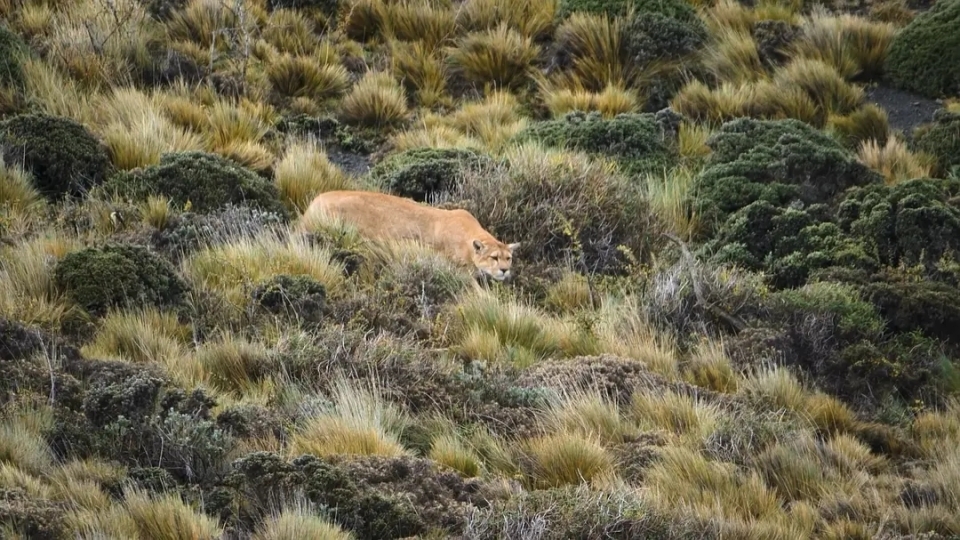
(493, 259)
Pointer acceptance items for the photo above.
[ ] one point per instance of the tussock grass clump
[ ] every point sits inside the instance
(854, 46)
(566, 459)
(595, 46)
(203, 21)
(28, 289)
(613, 100)
(419, 20)
(866, 123)
(669, 195)
(534, 19)
(590, 415)
(304, 172)
(709, 367)
(20, 201)
(234, 269)
(359, 422)
(421, 70)
(141, 336)
(680, 415)
(290, 31)
(233, 365)
(893, 160)
(168, 516)
(298, 523)
(825, 86)
(449, 450)
(501, 57)
(306, 76)
(734, 57)
(375, 101)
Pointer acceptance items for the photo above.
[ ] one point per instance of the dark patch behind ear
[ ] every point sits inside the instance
(477, 245)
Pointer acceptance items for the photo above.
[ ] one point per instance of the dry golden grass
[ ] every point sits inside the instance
(566, 459)
(289, 31)
(709, 367)
(206, 22)
(299, 523)
(775, 387)
(233, 269)
(683, 416)
(590, 415)
(733, 57)
(825, 86)
(360, 422)
(419, 20)
(852, 45)
(671, 198)
(375, 101)
(532, 18)
(28, 291)
(232, 365)
(305, 76)
(500, 57)
(775, 100)
(304, 172)
(493, 121)
(702, 104)
(363, 20)
(421, 69)
(451, 451)
(21, 205)
(54, 93)
(22, 444)
(613, 100)
(866, 123)
(572, 293)
(143, 336)
(168, 517)
(595, 45)
(894, 160)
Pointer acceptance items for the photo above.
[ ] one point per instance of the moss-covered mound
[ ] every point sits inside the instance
(778, 161)
(119, 275)
(925, 55)
(941, 139)
(64, 158)
(636, 141)
(420, 173)
(676, 9)
(300, 297)
(208, 181)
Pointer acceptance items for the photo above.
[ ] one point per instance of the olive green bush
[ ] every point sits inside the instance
(420, 173)
(676, 9)
(208, 181)
(119, 275)
(636, 141)
(916, 222)
(778, 161)
(924, 56)
(12, 48)
(941, 139)
(300, 297)
(64, 158)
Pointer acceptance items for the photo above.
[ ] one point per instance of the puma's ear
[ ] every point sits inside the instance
(477, 245)
(513, 247)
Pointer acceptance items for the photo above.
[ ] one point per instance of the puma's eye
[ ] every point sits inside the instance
(495, 257)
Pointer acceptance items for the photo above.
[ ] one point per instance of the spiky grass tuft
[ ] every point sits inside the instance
(566, 459)
(500, 57)
(894, 160)
(304, 172)
(305, 76)
(375, 101)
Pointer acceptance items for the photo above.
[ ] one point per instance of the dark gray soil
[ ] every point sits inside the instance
(350, 163)
(904, 109)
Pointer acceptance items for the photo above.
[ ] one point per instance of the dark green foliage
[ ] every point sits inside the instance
(119, 275)
(634, 140)
(162, 9)
(941, 139)
(778, 161)
(301, 297)
(11, 50)
(371, 497)
(913, 222)
(677, 9)
(787, 243)
(61, 154)
(924, 56)
(912, 304)
(653, 36)
(208, 181)
(420, 173)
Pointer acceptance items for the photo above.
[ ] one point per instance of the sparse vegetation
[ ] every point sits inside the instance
(733, 313)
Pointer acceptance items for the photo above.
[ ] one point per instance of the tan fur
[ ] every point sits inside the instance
(454, 233)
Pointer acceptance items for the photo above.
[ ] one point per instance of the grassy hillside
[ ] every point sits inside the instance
(736, 304)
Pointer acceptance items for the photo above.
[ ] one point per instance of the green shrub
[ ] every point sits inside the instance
(64, 158)
(778, 161)
(99, 278)
(941, 139)
(187, 231)
(910, 304)
(31, 517)
(208, 181)
(653, 36)
(11, 50)
(910, 223)
(636, 141)
(676, 9)
(419, 173)
(297, 296)
(773, 39)
(327, 7)
(924, 56)
(786, 243)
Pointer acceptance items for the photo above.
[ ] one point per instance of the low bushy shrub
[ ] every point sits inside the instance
(63, 156)
(941, 139)
(189, 230)
(294, 296)
(419, 173)
(208, 181)
(913, 222)
(654, 36)
(924, 55)
(11, 49)
(636, 141)
(778, 161)
(327, 7)
(676, 9)
(118, 275)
